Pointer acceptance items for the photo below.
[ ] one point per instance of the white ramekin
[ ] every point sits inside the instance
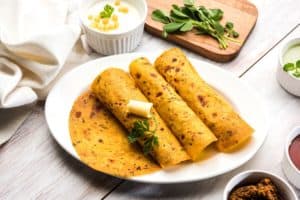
(253, 176)
(287, 81)
(289, 169)
(114, 43)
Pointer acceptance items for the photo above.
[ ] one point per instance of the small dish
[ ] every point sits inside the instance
(254, 176)
(289, 168)
(290, 83)
(109, 43)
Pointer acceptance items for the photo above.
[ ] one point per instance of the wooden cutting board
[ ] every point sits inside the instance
(241, 12)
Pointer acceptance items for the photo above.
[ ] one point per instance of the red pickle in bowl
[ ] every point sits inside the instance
(294, 151)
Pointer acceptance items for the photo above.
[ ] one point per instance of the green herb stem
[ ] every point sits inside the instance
(232, 39)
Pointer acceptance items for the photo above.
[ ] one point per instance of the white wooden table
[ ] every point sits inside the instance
(34, 166)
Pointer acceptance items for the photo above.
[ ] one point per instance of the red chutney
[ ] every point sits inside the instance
(294, 151)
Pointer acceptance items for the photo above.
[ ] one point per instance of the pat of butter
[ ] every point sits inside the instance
(140, 108)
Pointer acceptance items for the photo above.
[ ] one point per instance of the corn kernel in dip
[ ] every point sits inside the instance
(116, 25)
(105, 20)
(115, 18)
(120, 16)
(117, 2)
(123, 9)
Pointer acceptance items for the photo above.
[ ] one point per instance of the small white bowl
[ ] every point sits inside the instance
(254, 176)
(287, 81)
(114, 43)
(289, 169)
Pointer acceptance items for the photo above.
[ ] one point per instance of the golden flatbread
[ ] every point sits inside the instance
(181, 119)
(115, 88)
(230, 129)
(101, 142)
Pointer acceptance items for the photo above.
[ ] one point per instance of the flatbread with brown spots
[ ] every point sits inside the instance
(101, 141)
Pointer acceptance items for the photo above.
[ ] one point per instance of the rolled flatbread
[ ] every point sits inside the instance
(114, 88)
(230, 129)
(180, 118)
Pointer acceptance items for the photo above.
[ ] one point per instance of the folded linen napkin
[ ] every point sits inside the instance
(35, 40)
(36, 37)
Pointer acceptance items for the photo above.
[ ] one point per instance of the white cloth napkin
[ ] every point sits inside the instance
(36, 37)
(35, 40)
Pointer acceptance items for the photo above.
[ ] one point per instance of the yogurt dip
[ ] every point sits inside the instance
(292, 54)
(121, 16)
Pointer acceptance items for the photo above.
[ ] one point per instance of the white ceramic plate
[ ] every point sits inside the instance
(242, 97)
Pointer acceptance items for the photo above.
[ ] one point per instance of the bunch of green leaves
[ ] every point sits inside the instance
(107, 11)
(293, 68)
(141, 129)
(203, 20)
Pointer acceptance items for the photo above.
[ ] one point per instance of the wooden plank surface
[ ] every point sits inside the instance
(242, 13)
(33, 166)
(11, 120)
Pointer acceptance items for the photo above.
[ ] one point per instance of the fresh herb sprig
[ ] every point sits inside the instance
(293, 68)
(107, 11)
(203, 20)
(141, 128)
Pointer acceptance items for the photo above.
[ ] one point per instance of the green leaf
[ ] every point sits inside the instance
(215, 14)
(235, 34)
(179, 14)
(229, 25)
(289, 67)
(134, 136)
(203, 13)
(141, 128)
(176, 7)
(138, 130)
(174, 18)
(160, 16)
(218, 27)
(155, 140)
(298, 64)
(296, 74)
(149, 144)
(188, 2)
(187, 26)
(190, 11)
(173, 27)
(107, 11)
